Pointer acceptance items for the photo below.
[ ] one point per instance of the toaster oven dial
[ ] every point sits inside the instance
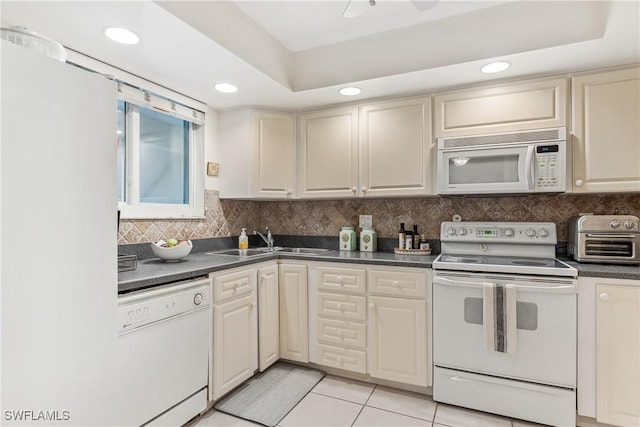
(530, 232)
(614, 223)
(543, 232)
(628, 224)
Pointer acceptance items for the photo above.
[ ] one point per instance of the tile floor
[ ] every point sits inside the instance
(339, 402)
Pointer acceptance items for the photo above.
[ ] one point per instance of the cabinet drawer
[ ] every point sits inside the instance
(343, 358)
(398, 283)
(342, 280)
(229, 286)
(339, 332)
(346, 307)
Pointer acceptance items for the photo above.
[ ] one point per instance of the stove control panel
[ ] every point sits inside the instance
(503, 232)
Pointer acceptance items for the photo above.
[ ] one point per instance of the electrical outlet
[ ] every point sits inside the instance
(213, 169)
(366, 221)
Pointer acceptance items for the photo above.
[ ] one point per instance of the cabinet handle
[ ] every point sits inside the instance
(396, 284)
(372, 306)
(354, 189)
(604, 297)
(289, 192)
(340, 307)
(364, 189)
(579, 183)
(264, 277)
(339, 279)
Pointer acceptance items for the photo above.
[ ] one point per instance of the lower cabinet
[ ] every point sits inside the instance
(235, 330)
(268, 316)
(371, 321)
(609, 350)
(294, 329)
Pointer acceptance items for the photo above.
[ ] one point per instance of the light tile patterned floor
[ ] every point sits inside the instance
(341, 402)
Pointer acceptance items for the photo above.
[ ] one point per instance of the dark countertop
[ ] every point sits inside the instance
(152, 272)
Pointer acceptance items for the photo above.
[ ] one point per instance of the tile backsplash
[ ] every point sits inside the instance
(224, 218)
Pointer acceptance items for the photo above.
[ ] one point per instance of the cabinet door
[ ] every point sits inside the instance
(274, 153)
(606, 130)
(618, 355)
(294, 329)
(235, 343)
(328, 159)
(397, 341)
(395, 148)
(268, 317)
(502, 108)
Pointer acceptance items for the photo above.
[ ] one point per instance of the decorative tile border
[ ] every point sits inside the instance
(224, 218)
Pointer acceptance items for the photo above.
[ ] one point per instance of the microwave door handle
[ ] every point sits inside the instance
(529, 166)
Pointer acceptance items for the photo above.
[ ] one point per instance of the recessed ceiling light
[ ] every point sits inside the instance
(350, 91)
(226, 88)
(121, 35)
(495, 67)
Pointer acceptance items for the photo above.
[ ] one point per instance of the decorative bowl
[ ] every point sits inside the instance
(173, 253)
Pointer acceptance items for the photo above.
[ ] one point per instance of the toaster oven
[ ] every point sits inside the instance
(607, 239)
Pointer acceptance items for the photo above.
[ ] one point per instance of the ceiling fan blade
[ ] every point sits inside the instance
(423, 5)
(355, 8)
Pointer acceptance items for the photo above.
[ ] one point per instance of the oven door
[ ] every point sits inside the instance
(545, 333)
(486, 170)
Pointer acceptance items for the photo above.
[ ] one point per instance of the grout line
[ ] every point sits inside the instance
(357, 416)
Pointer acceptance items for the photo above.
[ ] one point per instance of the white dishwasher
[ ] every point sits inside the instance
(163, 345)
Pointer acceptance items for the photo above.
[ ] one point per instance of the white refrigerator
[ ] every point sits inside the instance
(58, 243)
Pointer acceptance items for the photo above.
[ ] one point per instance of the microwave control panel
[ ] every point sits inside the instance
(548, 167)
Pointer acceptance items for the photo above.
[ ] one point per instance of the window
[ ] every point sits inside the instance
(160, 157)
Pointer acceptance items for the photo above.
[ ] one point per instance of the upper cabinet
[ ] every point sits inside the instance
(606, 131)
(328, 157)
(257, 155)
(375, 150)
(532, 104)
(395, 148)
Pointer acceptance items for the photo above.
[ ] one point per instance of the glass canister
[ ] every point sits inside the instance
(368, 240)
(348, 238)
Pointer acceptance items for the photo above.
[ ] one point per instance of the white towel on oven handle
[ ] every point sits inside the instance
(506, 318)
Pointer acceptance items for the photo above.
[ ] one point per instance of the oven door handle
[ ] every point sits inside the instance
(563, 288)
(610, 236)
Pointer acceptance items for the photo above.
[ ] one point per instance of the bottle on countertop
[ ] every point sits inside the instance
(243, 240)
(424, 244)
(409, 241)
(416, 237)
(402, 237)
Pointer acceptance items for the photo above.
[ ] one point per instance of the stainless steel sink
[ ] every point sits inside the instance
(304, 250)
(240, 252)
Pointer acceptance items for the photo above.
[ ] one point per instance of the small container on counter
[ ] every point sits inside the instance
(348, 238)
(424, 243)
(368, 240)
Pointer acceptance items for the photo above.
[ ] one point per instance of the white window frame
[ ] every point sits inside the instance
(132, 208)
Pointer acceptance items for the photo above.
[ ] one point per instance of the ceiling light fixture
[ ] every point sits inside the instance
(495, 67)
(121, 35)
(350, 91)
(226, 88)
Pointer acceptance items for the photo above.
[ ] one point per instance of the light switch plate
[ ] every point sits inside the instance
(213, 169)
(366, 221)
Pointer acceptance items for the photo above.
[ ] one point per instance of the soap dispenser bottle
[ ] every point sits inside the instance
(243, 240)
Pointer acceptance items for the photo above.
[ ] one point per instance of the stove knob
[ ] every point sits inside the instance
(451, 231)
(543, 232)
(462, 231)
(629, 225)
(509, 232)
(531, 232)
(614, 223)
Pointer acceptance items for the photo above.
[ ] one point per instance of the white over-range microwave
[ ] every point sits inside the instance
(514, 163)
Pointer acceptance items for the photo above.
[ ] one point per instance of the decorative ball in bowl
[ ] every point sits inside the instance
(172, 250)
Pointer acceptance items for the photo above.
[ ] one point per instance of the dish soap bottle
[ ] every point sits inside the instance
(243, 240)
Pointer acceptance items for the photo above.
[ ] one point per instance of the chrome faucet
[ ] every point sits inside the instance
(268, 240)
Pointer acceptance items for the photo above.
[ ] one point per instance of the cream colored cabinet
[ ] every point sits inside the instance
(235, 330)
(257, 154)
(268, 316)
(395, 148)
(398, 325)
(609, 350)
(618, 354)
(606, 132)
(532, 104)
(294, 331)
(328, 153)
